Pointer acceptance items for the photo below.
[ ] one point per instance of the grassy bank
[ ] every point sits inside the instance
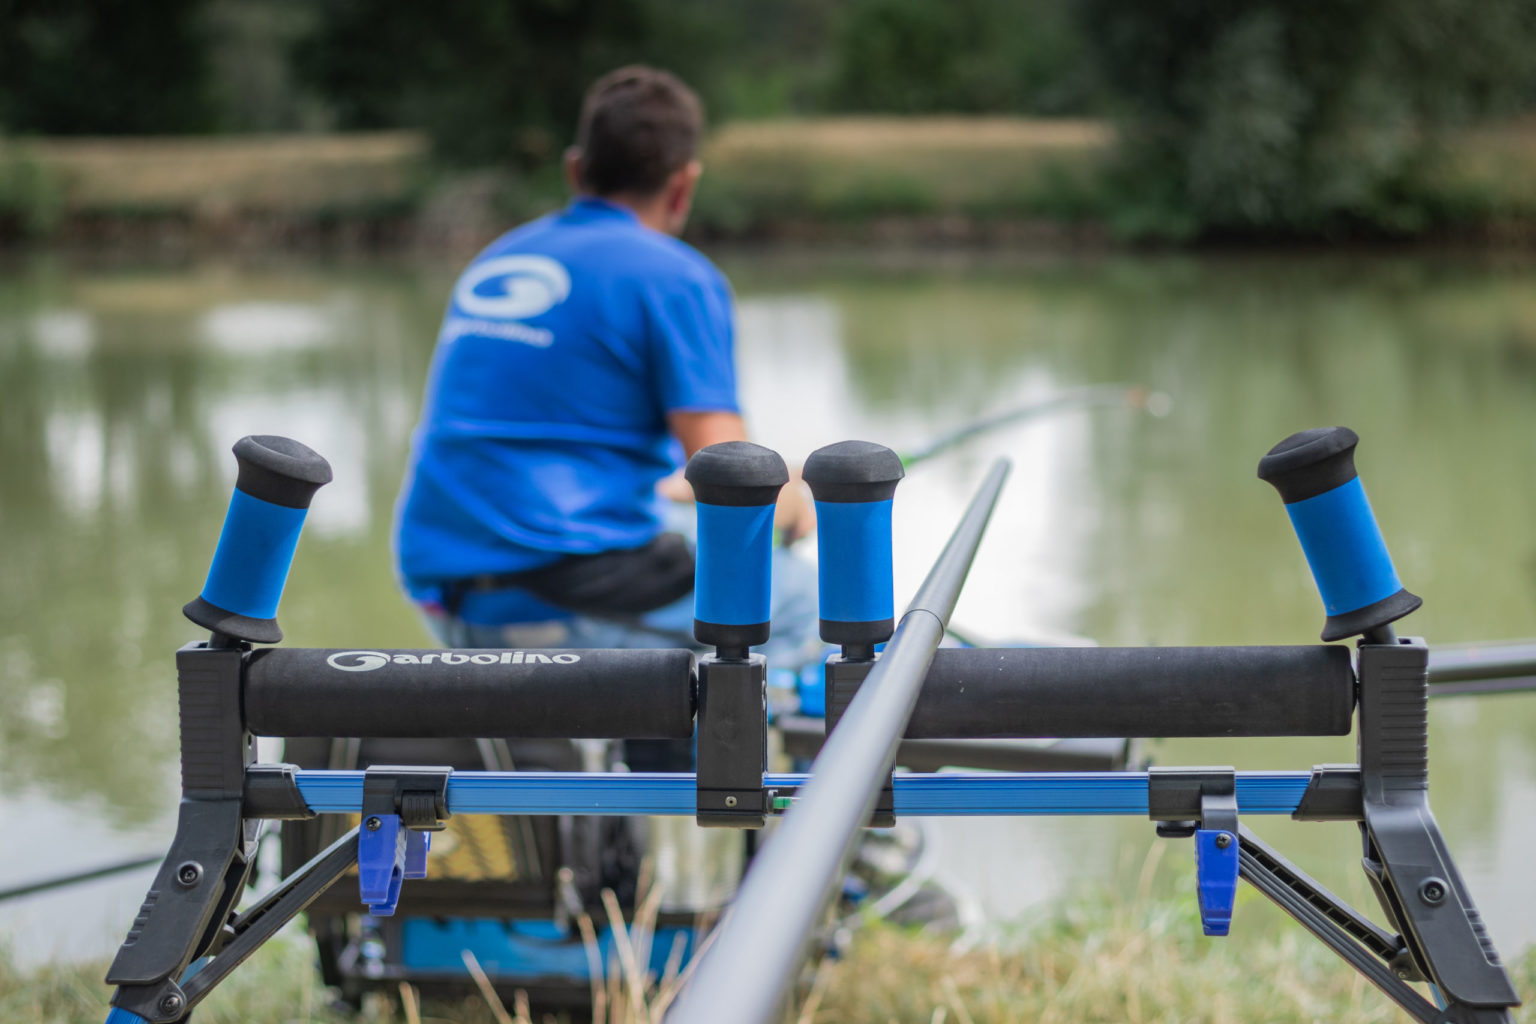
(1092, 961)
(846, 178)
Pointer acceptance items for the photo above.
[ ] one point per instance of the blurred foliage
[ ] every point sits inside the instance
(31, 198)
(1240, 118)
(965, 56)
(491, 80)
(1305, 119)
(104, 67)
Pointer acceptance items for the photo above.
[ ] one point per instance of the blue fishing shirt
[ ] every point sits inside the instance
(565, 345)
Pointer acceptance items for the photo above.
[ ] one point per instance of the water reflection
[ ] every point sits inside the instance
(124, 391)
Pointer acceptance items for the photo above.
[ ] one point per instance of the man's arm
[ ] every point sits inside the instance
(795, 515)
(701, 429)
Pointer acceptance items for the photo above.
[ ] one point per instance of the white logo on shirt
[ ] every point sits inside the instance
(512, 287)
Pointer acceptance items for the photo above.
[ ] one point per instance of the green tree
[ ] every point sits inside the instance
(1244, 116)
(493, 80)
(960, 56)
(103, 67)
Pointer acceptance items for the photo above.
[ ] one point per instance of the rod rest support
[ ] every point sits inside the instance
(732, 742)
(1406, 857)
(1202, 803)
(844, 674)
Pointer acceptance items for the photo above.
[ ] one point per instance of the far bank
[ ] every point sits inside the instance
(944, 180)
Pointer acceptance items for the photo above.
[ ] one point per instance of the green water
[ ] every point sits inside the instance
(123, 390)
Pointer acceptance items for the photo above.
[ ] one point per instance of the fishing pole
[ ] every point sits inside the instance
(1156, 403)
(1483, 669)
(77, 877)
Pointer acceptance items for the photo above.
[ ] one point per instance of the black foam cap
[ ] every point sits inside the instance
(280, 470)
(736, 473)
(853, 471)
(1310, 462)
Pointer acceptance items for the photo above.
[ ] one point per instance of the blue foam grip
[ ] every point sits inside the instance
(1344, 548)
(733, 575)
(381, 865)
(118, 1015)
(854, 551)
(1217, 871)
(250, 565)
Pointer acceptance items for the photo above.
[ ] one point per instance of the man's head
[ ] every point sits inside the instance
(637, 143)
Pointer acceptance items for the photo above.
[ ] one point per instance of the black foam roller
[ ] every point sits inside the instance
(1039, 692)
(597, 694)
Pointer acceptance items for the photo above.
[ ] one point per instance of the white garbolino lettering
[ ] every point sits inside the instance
(357, 661)
(367, 661)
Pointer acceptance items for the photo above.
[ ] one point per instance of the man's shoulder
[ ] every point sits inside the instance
(621, 248)
(652, 257)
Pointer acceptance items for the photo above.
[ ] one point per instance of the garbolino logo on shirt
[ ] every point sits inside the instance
(367, 661)
(493, 295)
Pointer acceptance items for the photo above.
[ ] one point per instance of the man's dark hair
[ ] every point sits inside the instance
(638, 125)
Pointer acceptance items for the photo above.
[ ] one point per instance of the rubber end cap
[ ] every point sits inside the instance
(1310, 462)
(876, 631)
(727, 635)
(736, 473)
(853, 471)
(241, 627)
(280, 470)
(1363, 620)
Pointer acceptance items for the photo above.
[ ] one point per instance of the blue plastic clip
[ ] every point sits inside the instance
(417, 845)
(402, 805)
(386, 857)
(381, 863)
(1216, 870)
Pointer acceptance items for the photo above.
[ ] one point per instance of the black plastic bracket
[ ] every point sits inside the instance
(1207, 796)
(185, 913)
(167, 1001)
(844, 676)
(1406, 857)
(272, 792)
(732, 742)
(1333, 794)
(843, 679)
(417, 794)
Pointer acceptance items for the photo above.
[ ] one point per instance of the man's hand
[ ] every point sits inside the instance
(795, 516)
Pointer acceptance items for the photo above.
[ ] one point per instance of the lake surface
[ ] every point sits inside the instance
(123, 390)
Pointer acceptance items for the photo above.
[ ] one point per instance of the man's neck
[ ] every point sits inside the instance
(652, 211)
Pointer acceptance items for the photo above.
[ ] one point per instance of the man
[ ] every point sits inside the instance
(583, 356)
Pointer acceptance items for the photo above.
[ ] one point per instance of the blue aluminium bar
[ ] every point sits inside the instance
(944, 794)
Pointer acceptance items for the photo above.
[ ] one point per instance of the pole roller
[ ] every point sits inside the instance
(735, 485)
(1314, 471)
(278, 477)
(853, 483)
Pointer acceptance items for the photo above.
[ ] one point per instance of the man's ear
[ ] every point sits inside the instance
(572, 163)
(679, 194)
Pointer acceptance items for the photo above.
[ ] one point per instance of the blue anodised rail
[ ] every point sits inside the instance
(945, 794)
